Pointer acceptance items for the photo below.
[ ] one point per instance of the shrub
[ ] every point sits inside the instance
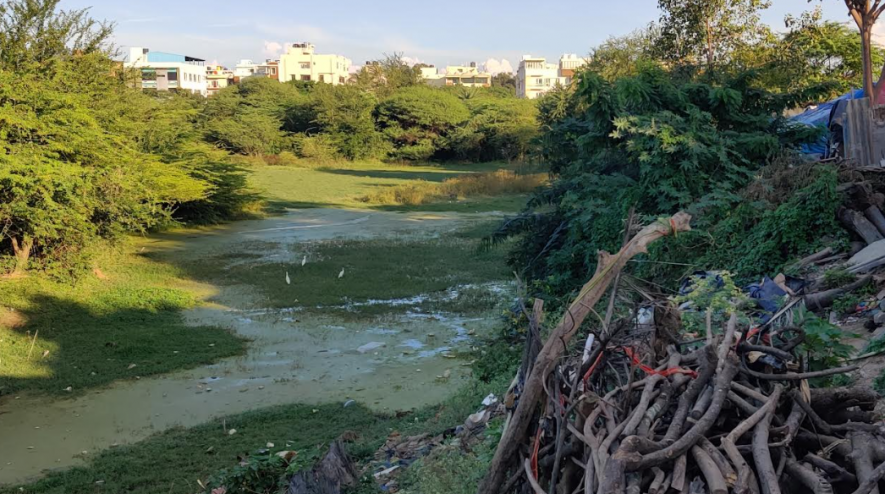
(479, 184)
(417, 118)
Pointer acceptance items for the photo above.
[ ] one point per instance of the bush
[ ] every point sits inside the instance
(416, 119)
(660, 144)
(479, 184)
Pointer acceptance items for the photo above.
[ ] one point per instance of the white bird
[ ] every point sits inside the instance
(288, 280)
(341, 274)
(304, 261)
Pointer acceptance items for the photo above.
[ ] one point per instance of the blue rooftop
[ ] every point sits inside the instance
(162, 57)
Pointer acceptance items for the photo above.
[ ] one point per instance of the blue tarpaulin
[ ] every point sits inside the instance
(820, 117)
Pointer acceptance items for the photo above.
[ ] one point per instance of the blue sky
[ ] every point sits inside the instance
(439, 32)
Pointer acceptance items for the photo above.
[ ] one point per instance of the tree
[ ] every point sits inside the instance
(344, 114)
(386, 75)
(505, 80)
(693, 31)
(623, 55)
(865, 14)
(35, 31)
(416, 118)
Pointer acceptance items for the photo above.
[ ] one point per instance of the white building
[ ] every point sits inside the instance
(248, 68)
(569, 64)
(535, 76)
(300, 63)
(218, 78)
(164, 71)
(457, 75)
(245, 68)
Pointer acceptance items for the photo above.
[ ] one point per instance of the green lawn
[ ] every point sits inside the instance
(94, 329)
(343, 185)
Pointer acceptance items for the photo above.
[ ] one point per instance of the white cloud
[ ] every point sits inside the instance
(495, 66)
(272, 50)
(412, 61)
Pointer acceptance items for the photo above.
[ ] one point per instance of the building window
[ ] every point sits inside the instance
(322, 78)
(305, 78)
(172, 75)
(340, 80)
(148, 75)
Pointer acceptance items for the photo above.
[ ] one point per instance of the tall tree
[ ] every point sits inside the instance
(708, 31)
(865, 14)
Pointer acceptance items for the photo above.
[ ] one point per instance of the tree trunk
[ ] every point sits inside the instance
(22, 251)
(866, 37)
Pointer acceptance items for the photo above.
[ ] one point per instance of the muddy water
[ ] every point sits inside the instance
(399, 361)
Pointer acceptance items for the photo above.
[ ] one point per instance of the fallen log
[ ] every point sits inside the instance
(859, 224)
(824, 299)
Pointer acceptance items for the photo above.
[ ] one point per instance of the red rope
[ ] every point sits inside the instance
(648, 370)
(592, 368)
(535, 449)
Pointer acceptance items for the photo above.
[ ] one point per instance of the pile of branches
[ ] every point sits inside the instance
(639, 411)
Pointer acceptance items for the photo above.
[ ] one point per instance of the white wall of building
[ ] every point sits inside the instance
(535, 76)
(190, 76)
(301, 63)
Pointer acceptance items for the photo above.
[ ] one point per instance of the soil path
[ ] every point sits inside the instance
(392, 363)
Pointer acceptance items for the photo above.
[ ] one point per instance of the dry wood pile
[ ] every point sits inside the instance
(637, 410)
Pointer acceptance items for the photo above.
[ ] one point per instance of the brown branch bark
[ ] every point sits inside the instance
(768, 478)
(807, 477)
(728, 442)
(710, 470)
(608, 268)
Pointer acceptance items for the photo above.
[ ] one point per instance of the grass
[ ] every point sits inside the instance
(93, 330)
(172, 461)
(489, 184)
(346, 184)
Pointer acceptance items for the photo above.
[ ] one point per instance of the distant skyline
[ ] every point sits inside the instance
(441, 33)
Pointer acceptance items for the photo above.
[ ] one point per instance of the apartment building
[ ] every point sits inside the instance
(163, 71)
(569, 64)
(302, 63)
(459, 75)
(218, 78)
(248, 68)
(535, 76)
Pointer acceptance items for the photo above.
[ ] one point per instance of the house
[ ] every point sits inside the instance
(568, 65)
(248, 68)
(459, 75)
(301, 63)
(218, 78)
(432, 76)
(535, 76)
(168, 71)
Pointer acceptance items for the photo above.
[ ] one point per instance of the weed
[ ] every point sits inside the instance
(879, 383)
(837, 277)
(496, 183)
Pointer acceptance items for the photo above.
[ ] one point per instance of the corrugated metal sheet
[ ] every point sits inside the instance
(857, 132)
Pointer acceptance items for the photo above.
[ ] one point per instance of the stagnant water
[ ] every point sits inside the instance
(394, 362)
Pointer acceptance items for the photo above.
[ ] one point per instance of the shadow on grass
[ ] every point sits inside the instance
(88, 346)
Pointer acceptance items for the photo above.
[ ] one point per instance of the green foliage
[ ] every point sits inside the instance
(417, 119)
(498, 128)
(823, 345)
(262, 472)
(658, 144)
(879, 383)
(837, 277)
(344, 114)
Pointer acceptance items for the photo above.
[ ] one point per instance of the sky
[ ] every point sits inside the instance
(491, 32)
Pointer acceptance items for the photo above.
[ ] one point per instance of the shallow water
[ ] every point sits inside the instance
(390, 363)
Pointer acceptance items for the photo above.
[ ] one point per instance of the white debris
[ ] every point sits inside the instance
(489, 400)
(288, 280)
(341, 274)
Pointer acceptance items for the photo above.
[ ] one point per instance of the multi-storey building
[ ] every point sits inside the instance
(568, 65)
(218, 78)
(301, 63)
(168, 71)
(535, 76)
(248, 68)
(458, 75)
